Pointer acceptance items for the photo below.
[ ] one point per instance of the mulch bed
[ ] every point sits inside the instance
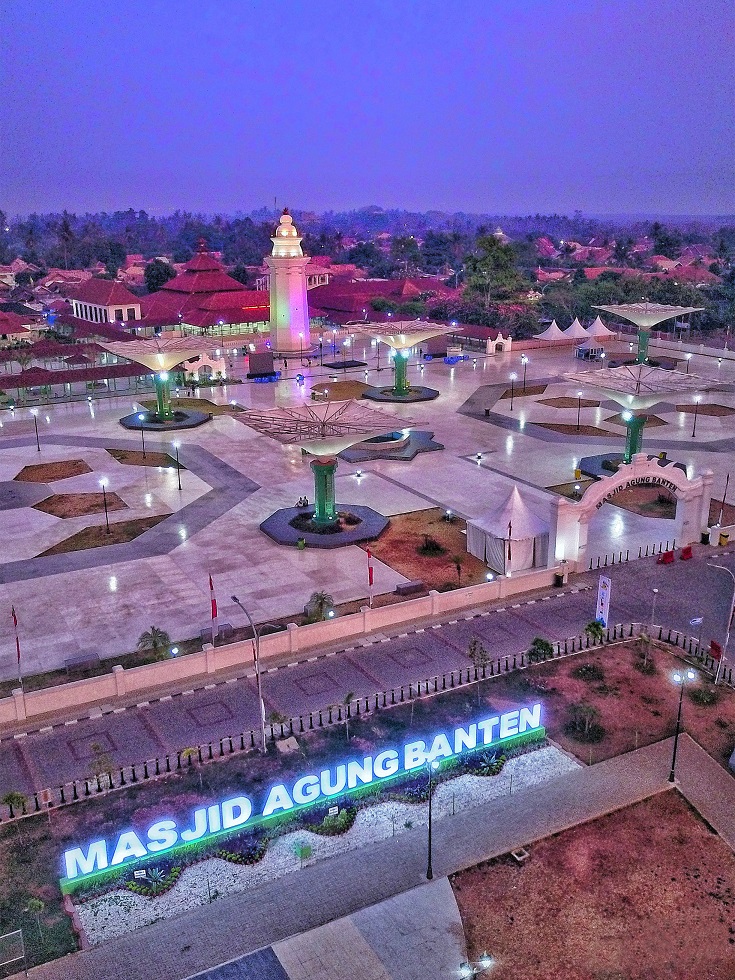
(572, 430)
(343, 390)
(646, 892)
(79, 504)
(728, 513)
(518, 391)
(196, 405)
(97, 537)
(565, 402)
(712, 410)
(651, 420)
(567, 489)
(48, 472)
(135, 457)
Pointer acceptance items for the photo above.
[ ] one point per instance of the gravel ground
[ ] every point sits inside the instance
(120, 911)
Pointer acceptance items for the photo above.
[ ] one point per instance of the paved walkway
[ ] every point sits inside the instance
(249, 921)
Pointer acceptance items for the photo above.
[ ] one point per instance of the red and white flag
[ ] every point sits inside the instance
(213, 600)
(510, 535)
(370, 576)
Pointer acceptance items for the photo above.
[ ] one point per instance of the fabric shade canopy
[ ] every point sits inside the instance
(510, 537)
(575, 331)
(552, 332)
(598, 329)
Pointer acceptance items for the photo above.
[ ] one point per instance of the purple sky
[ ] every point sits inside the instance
(509, 106)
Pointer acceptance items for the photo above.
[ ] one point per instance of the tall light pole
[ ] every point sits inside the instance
(524, 362)
(256, 657)
(178, 464)
(512, 389)
(141, 418)
(688, 359)
(579, 408)
(697, 399)
(34, 413)
(103, 484)
(301, 347)
(682, 678)
(653, 606)
(723, 656)
(431, 766)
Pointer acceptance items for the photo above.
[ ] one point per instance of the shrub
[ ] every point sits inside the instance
(156, 882)
(583, 725)
(705, 697)
(589, 672)
(430, 547)
(611, 465)
(333, 826)
(540, 649)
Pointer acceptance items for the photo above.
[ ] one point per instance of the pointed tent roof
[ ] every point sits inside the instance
(575, 331)
(647, 315)
(513, 514)
(598, 330)
(552, 332)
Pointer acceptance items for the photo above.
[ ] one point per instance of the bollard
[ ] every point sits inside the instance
(145, 770)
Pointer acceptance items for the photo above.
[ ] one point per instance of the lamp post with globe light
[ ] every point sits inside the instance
(579, 408)
(178, 464)
(679, 678)
(141, 418)
(256, 658)
(103, 484)
(697, 400)
(524, 362)
(512, 389)
(431, 765)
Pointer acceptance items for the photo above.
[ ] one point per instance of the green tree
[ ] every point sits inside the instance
(319, 606)
(583, 716)
(490, 272)
(156, 274)
(478, 657)
(458, 562)
(595, 631)
(156, 640)
(540, 649)
(16, 802)
(35, 907)
(405, 252)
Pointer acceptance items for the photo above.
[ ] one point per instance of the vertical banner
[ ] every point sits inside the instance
(603, 600)
(213, 600)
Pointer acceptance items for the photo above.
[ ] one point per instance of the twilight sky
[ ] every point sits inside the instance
(509, 106)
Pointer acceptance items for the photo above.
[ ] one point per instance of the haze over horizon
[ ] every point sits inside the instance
(610, 108)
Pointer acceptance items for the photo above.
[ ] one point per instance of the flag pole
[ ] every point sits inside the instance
(17, 645)
(724, 498)
(213, 601)
(370, 577)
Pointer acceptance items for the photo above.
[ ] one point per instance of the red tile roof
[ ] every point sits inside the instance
(104, 292)
(12, 323)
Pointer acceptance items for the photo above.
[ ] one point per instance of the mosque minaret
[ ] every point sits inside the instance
(289, 323)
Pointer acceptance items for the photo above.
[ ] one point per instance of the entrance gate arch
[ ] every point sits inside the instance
(571, 519)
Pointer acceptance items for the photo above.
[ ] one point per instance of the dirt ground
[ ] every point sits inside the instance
(48, 472)
(565, 402)
(567, 489)
(716, 411)
(651, 420)
(728, 514)
(646, 893)
(633, 708)
(195, 404)
(342, 390)
(397, 547)
(647, 501)
(572, 430)
(518, 391)
(79, 504)
(135, 457)
(97, 537)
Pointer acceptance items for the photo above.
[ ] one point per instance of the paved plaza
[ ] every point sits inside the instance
(238, 477)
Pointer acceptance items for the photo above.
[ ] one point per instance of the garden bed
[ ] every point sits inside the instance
(66, 505)
(646, 892)
(135, 457)
(196, 405)
(98, 536)
(48, 472)
(398, 548)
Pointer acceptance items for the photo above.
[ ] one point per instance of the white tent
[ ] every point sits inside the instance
(552, 332)
(598, 330)
(591, 349)
(575, 331)
(509, 538)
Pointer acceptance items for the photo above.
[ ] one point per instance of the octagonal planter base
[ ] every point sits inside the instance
(416, 394)
(183, 419)
(278, 527)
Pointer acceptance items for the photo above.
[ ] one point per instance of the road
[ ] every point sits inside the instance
(65, 750)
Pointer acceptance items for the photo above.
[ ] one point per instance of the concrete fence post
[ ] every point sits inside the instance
(19, 703)
(293, 637)
(208, 658)
(434, 596)
(118, 674)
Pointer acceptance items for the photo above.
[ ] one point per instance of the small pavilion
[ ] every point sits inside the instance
(401, 337)
(646, 316)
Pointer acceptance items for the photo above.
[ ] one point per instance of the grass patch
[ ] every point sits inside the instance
(97, 537)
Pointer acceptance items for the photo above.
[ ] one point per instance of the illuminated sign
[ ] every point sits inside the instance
(239, 811)
(640, 481)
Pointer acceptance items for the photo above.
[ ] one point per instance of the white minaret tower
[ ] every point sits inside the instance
(289, 307)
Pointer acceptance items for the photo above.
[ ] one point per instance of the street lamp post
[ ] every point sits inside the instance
(688, 359)
(682, 678)
(35, 423)
(653, 606)
(178, 464)
(512, 389)
(524, 362)
(579, 408)
(301, 347)
(431, 765)
(256, 657)
(697, 399)
(141, 418)
(103, 484)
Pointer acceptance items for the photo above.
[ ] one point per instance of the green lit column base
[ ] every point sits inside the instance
(643, 338)
(633, 436)
(163, 395)
(400, 381)
(325, 510)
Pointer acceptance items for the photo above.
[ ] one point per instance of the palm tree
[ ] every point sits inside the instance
(320, 604)
(479, 658)
(458, 561)
(36, 906)
(154, 639)
(595, 631)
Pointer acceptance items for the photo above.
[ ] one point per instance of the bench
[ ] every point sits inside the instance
(666, 558)
(686, 553)
(409, 588)
(83, 661)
